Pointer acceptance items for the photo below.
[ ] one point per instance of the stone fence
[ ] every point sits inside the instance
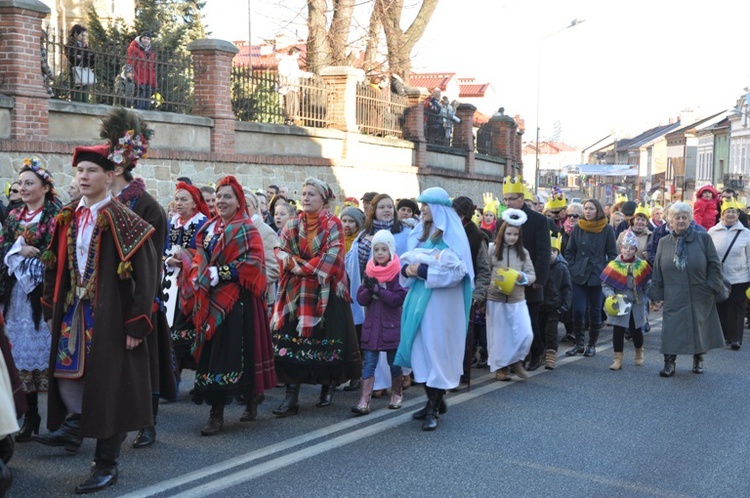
(211, 143)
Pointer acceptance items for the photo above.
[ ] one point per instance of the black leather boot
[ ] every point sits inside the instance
(251, 408)
(290, 405)
(669, 365)
(593, 338)
(68, 435)
(145, 437)
(421, 414)
(578, 342)
(698, 363)
(435, 398)
(6, 448)
(326, 396)
(215, 420)
(104, 471)
(31, 420)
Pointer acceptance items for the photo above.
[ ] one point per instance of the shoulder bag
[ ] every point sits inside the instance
(727, 287)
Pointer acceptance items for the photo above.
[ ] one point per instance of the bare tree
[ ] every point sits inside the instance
(329, 24)
(328, 46)
(400, 43)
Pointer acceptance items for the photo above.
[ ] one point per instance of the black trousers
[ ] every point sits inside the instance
(537, 345)
(618, 336)
(548, 321)
(732, 313)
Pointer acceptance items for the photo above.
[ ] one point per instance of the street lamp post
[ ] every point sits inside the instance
(573, 23)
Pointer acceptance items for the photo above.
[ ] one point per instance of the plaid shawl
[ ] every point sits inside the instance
(305, 298)
(240, 251)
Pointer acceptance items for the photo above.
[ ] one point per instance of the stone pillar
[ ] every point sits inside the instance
(20, 68)
(463, 133)
(342, 81)
(414, 124)
(212, 68)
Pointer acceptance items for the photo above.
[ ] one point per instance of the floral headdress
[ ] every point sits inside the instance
(34, 165)
(129, 148)
(128, 135)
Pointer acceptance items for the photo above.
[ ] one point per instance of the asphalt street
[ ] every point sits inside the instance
(578, 431)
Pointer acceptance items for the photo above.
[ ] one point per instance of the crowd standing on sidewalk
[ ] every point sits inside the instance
(249, 289)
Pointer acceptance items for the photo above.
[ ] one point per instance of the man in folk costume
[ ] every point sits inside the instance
(128, 135)
(99, 286)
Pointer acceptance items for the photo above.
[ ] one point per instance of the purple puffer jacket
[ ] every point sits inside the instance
(381, 330)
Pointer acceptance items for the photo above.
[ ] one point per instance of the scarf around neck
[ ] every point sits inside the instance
(592, 226)
(385, 273)
(568, 224)
(680, 248)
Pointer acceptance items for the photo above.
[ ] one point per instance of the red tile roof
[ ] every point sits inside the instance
(265, 60)
(472, 90)
(431, 80)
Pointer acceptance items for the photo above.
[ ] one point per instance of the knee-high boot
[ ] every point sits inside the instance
(396, 392)
(290, 405)
(593, 338)
(436, 398)
(363, 406)
(578, 346)
(104, 471)
(421, 414)
(31, 420)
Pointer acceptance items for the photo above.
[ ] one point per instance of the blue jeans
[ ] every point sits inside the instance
(371, 361)
(143, 102)
(590, 297)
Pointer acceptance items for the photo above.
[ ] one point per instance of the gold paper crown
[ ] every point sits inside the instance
(556, 241)
(644, 210)
(730, 204)
(528, 195)
(621, 198)
(556, 202)
(513, 185)
(490, 203)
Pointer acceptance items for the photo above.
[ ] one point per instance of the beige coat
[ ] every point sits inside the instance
(510, 260)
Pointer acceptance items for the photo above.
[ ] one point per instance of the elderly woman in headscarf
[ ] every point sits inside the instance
(313, 332)
(687, 277)
(438, 270)
(232, 344)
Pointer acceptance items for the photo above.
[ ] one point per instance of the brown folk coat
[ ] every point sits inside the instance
(117, 393)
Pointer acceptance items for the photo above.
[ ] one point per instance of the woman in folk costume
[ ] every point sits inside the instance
(437, 270)
(625, 281)
(313, 331)
(509, 333)
(191, 213)
(27, 232)
(99, 286)
(232, 344)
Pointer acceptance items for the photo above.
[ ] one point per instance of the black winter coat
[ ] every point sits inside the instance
(558, 292)
(536, 240)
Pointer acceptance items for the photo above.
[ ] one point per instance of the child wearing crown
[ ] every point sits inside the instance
(509, 333)
(558, 297)
(624, 284)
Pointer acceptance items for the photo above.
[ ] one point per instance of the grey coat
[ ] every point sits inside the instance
(690, 321)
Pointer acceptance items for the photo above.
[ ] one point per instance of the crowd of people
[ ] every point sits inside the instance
(252, 290)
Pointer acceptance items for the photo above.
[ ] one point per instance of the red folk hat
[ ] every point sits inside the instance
(97, 154)
(200, 204)
(238, 192)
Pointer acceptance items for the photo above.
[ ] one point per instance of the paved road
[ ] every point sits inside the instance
(581, 430)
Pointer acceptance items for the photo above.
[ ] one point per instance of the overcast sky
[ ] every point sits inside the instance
(629, 67)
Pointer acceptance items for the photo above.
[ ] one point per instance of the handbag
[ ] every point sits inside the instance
(726, 289)
(83, 76)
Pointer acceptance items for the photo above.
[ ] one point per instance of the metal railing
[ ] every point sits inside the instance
(258, 97)
(96, 76)
(380, 112)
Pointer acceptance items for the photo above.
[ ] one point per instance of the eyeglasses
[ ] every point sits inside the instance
(574, 216)
(514, 198)
(556, 212)
(14, 191)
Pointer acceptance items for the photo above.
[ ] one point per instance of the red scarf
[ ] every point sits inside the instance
(386, 273)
